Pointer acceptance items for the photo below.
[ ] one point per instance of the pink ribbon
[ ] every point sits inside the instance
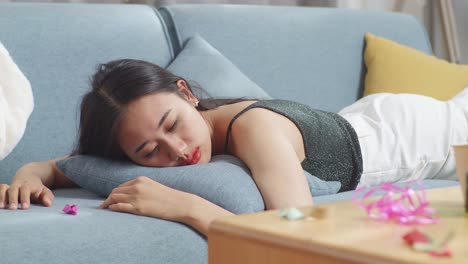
(403, 205)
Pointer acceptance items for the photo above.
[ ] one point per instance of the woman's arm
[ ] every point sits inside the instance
(266, 145)
(144, 196)
(202, 213)
(60, 180)
(33, 182)
(46, 171)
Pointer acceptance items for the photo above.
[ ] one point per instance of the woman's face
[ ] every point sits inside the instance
(165, 130)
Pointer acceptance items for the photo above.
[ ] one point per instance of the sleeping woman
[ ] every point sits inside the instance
(141, 112)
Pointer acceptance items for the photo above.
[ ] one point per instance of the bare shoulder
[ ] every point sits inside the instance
(255, 121)
(259, 126)
(259, 121)
(262, 120)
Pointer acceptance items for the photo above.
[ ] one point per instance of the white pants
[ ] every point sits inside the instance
(405, 137)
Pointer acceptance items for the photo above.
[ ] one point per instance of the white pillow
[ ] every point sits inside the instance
(16, 103)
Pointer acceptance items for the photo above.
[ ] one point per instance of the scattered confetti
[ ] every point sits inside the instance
(291, 214)
(416, 237)
(313, 212)
(403, 205)
(71, 209)
(423, 243)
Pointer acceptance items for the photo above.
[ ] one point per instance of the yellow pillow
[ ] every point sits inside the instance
(394, 68)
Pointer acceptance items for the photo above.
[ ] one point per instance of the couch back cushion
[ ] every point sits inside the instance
(57, 46)
(311, 55)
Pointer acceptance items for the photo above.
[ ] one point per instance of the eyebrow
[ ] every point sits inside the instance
(163, 118)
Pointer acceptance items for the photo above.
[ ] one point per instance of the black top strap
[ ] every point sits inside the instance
(228, 134)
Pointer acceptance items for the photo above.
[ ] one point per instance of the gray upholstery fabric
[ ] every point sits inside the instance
(309, 55)
(57, 47)
(48, 235)
(202, 63)
(225, 181)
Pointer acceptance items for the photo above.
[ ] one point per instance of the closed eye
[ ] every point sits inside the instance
(173, 127)
(154, 151)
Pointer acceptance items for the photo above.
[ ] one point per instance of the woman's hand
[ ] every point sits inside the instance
(143, 196)
(24, 189)
(32, 183)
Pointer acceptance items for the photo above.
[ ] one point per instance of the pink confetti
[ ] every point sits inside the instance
(445, 252)
(71, 209)
(403, 205)
(422, 242)
(416, 236)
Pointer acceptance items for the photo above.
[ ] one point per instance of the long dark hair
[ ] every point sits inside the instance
(114, 85)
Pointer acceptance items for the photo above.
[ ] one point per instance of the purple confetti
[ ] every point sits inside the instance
(71, 209)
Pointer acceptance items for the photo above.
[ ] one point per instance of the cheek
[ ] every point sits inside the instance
(194, 128)
(204, 133)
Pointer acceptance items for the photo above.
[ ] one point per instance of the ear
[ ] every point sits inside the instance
(184, 90)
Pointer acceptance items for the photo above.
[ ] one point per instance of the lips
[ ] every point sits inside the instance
(194, 158)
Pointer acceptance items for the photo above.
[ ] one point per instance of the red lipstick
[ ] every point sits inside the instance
(194, 158)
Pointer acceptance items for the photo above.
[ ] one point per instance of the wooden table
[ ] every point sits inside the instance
(345, 235)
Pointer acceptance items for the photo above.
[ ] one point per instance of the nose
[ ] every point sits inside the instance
(175, 148)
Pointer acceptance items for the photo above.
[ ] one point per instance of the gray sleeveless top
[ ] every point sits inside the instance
(331, 145)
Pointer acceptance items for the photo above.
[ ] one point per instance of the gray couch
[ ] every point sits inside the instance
(311, 55)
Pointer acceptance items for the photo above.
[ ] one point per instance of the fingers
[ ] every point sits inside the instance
(13, 196)
(24, 193)
(126, 183)
(3, 195)
(47, 197)
(119, 194)
(124, 189)
(130, 187)
(115, 198)
(122, 207)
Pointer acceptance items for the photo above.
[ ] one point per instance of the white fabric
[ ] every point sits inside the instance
(16, 103)
(406, 137)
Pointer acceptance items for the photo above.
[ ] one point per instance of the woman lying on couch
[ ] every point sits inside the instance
(139, 111)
